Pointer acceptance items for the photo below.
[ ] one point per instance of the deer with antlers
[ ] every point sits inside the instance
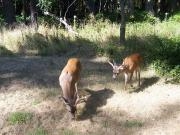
(68, 80)
(130, 65)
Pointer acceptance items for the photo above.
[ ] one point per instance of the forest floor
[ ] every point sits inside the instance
(30, 84)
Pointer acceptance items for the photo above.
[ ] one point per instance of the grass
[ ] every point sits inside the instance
(49, 93)
(38, 131)
(133, 124)
(105, 124)
(36, 102)
(68, 132)
(158, 42)
(19, 117)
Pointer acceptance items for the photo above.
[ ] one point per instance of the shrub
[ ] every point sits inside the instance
(175, 17)
(143, 16)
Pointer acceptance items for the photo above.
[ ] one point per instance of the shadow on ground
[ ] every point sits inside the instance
(43, 72)
(96, 99)
(146, 82)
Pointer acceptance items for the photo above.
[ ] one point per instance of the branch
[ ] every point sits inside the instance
(63, 21)
(68, 8)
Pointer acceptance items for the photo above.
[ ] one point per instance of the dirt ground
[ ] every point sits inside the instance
(30, 84)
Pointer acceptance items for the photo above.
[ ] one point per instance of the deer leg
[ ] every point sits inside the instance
(136, 72)
(130, 79)
(126, 80)
(76, 93)
(139, 77)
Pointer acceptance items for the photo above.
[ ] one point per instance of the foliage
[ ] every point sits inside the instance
(143, 16)
(168, 57)
(175, 17)
(1, 20)
(45, 5)
(5, 52)
(159, 44)
(20, 18)
(48, 21)
(162, 53)
(19, 117)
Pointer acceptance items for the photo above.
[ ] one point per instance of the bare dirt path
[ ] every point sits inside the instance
(30, 84)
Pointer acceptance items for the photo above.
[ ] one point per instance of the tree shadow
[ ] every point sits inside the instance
(146, 82)
(56, 45)
(43, 72)
(96, 99)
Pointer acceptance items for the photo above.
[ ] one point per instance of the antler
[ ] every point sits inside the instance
(111, 63)
(82, 99)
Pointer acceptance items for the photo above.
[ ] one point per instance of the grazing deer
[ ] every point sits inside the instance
(129, 65)
(68, 80)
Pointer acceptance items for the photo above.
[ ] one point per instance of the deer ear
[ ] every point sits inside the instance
(122, 67)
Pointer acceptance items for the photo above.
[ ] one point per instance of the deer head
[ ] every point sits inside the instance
(71, 108)
(115, 69)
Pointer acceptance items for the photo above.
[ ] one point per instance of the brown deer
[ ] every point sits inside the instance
(68, 80)
(130, 64)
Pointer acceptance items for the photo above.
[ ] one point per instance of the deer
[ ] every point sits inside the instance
(129, 65)
(68, 81)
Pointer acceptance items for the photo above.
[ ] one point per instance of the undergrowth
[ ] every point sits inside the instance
(158, 42)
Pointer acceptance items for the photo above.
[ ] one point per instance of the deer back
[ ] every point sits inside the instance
(68, 80)
(132, 62)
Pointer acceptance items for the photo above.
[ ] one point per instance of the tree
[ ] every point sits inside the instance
(9, 11)
(92, 6)
(24, 10)
(123, 22)
(149, 6)
(131, 7)
(33, 12)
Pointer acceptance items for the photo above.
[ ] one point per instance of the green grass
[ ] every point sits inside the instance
(158, 42)
(19, 117)
(68, 132)
(36, 102)
(105, 124)
(133, 124)
(38, 131)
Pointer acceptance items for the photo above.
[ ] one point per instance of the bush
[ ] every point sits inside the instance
(175, 17)
(143, 16)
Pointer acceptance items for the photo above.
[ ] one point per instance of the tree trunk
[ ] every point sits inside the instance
(149, 6)
(131, 7)
(33, 12)
(91, 6)
(174, 5)
(24, 11)
(9, 12)
(123, 22)
(157, 6)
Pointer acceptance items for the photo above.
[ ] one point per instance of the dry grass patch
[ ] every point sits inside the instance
(109, 109)
(37, 131)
